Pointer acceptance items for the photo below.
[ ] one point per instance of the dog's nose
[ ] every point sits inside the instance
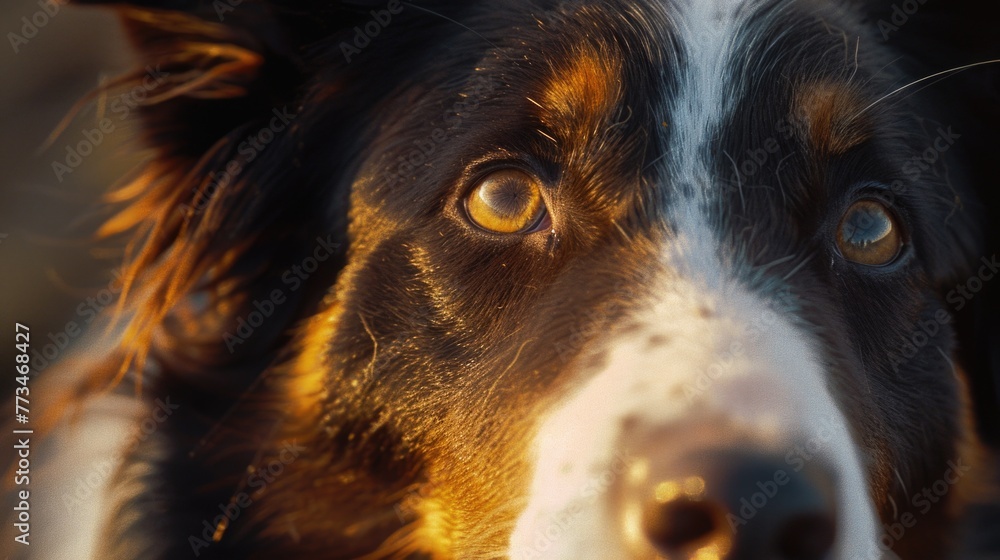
(735, 507)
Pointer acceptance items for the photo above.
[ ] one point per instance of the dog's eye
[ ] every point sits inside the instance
(869, 234)
(507, 201)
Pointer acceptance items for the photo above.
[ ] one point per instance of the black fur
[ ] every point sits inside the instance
(415, 318)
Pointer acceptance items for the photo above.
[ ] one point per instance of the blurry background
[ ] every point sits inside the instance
(50, 59)
(47, 267)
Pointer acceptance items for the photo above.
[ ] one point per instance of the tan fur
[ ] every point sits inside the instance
(581, 96)
(830, 117)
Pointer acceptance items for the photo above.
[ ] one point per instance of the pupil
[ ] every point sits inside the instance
(865, 226)
(508, 198)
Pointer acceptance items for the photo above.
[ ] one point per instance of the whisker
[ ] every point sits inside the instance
(739, 180)
(857, 47)
(765, 267)
(622, 231)
(220, 424)
(899, 477)
(658, 158)
(777, 177)
(951, 363)
(370, 373)
(948, 72)
(458, 23)
(799, 267)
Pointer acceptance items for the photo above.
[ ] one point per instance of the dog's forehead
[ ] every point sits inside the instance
(703, 58)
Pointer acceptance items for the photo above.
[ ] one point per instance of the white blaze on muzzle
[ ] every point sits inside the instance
(713, 368)
(708, 355)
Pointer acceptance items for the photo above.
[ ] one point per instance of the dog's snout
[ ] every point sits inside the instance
(734, 506)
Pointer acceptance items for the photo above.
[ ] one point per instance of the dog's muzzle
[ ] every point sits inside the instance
(711, 431)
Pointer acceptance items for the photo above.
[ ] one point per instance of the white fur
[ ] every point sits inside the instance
(77, 463)
(707, 31)
(775, 386)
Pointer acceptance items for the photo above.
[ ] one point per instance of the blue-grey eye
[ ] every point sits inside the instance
(869, 234)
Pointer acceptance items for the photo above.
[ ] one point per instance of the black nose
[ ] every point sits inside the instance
(736, 507)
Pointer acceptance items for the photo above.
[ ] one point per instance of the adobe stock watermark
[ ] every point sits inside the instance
(755, 331)
(32, 24)
(258, 480)
(408, 508)
(452, 119)
(120, 105)
(47, 352)
(92, 482)
(589, 493)
(363, 35)
(755, 160)
(963, 293)
(796, 459)
(921, 504)
(591, 322)
(223, 7)
(917, 165)
(292, 279)
(246, 152)
(923, 162)
(927, 329)
(901, 14)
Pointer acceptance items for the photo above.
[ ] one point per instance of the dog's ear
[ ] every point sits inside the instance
(254, 110)
(223, 63)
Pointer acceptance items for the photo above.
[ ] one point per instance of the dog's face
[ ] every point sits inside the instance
(614, 274)
(663, 235)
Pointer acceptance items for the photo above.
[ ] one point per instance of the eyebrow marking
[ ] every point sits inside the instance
(582, 94)
(828, 115)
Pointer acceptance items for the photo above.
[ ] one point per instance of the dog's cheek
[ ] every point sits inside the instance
(917, 430)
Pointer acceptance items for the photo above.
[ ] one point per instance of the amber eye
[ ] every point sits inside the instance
(869, 234)
(506, 201)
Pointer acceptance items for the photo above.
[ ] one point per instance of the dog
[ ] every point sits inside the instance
(558, 279)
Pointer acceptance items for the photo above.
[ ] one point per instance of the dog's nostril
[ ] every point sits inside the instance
(681, 520)
(739, 506)
(807, 536)
(678, 523)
